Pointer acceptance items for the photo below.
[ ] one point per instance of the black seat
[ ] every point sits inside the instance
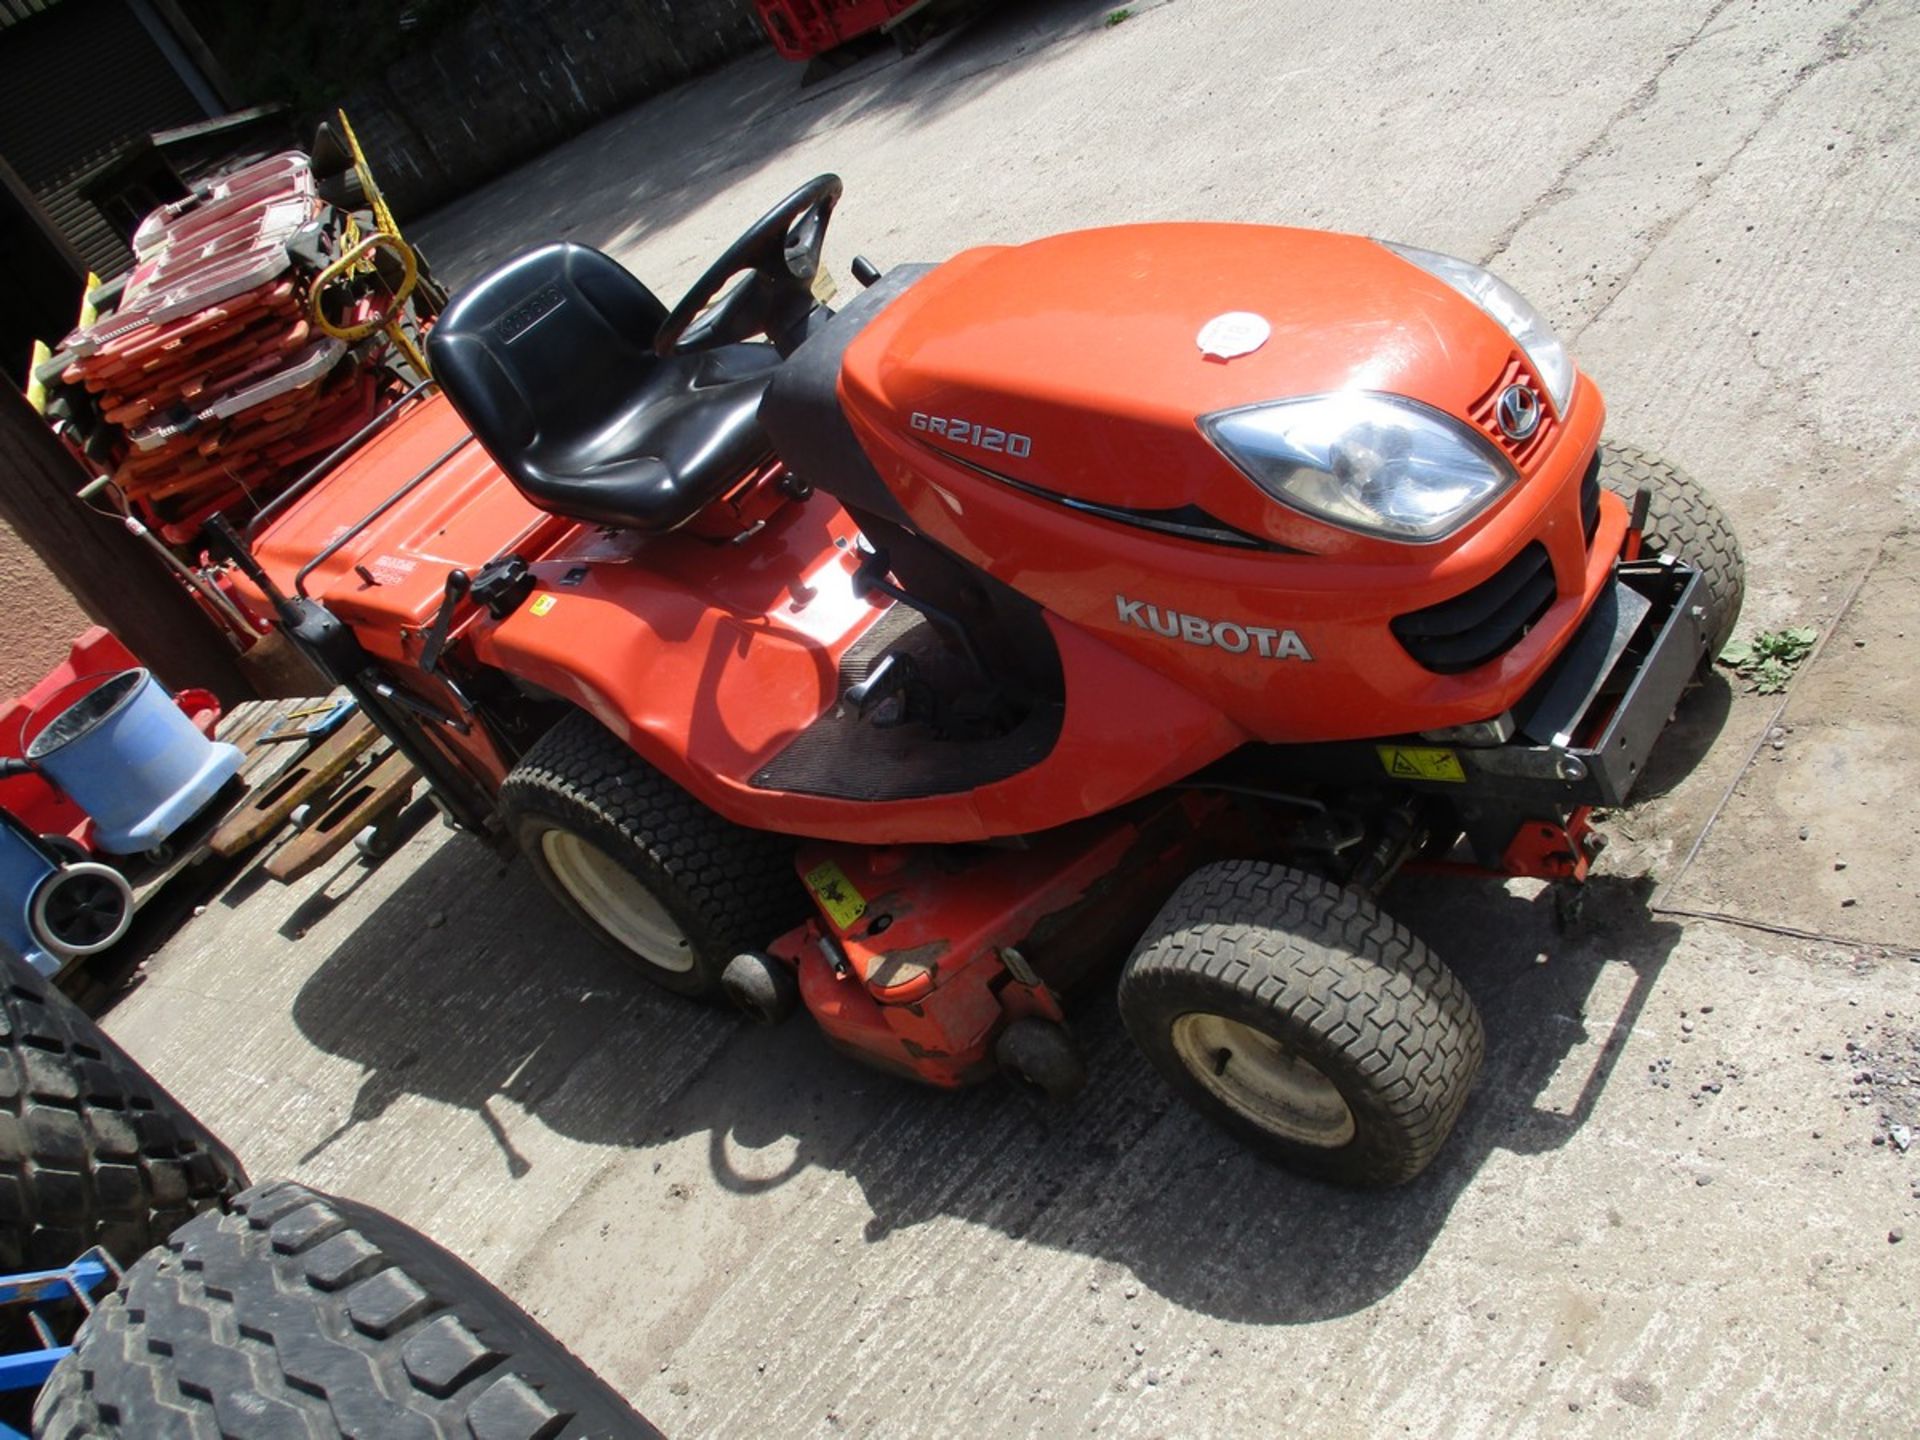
(550, 360)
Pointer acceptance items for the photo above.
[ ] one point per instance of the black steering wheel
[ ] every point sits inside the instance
(780, 254)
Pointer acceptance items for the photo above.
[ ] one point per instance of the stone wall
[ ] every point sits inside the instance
(510, 79)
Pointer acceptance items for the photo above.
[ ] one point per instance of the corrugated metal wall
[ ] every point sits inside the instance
(79, 79)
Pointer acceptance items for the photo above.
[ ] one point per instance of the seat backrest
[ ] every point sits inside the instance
(539, 351)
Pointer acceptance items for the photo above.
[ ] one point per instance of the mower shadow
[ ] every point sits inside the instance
(495, 995)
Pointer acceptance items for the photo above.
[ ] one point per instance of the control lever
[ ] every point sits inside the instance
(871, 576)
(884, 683)
(865, 271)
(458, 584)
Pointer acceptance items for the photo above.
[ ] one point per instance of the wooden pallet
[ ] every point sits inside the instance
(310, 769)
(371, 799)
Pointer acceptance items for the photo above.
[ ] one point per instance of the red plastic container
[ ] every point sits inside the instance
(802, 29)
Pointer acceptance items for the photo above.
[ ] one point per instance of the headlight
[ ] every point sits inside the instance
(1375, 463)
(1509, 310)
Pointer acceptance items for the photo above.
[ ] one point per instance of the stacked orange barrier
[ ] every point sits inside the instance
(208, 365)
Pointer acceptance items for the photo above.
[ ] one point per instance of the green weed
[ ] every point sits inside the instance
(1767, 660)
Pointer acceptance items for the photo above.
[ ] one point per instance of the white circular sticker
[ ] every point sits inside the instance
(1238, 332)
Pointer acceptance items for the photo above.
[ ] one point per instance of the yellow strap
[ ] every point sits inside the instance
(382, 216)
(36, 392)
(355, 259)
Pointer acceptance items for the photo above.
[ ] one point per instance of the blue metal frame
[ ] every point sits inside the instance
(40, 1290)
(25, 864)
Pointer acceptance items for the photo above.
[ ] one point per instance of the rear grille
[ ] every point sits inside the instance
(1590, 498)
(1526, 453)
(1485, 622)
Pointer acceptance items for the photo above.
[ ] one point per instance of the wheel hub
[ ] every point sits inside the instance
(1263, 1080)
(617, 900)
(84, 911)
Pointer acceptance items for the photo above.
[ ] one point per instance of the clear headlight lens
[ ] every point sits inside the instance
(1509, 310)
(1374, 463)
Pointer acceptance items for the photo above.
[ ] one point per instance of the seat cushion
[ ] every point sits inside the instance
(550, 360)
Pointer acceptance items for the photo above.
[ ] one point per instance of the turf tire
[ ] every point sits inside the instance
(92, 1150)
(727, 887)
(1683, 520)
(297, 1314)
(1324, 972)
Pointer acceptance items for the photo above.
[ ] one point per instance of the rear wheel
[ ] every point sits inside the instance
(300, 1314)
(674, 887)
(1683, 520)
(1303, 1019)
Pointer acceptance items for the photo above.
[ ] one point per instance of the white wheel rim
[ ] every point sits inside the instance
(106, 882)
(617, 900)
(1263, 1080)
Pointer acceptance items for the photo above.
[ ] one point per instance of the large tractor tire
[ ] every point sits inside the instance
(92, 1150)
(1683, 520)
(654, 873)
(1305, 1021)
(299, 1314)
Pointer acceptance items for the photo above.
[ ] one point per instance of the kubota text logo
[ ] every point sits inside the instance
(1228, 635)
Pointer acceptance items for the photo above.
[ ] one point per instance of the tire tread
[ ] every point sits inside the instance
(1296, 944)
(92, 1149)
(240, 1326)
(1683, 519)
(738, 884)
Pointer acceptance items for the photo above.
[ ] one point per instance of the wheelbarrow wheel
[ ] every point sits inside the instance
(1683, 520)
(655, 874)
(301, 1314)
(81, 909)
(1304, 1020)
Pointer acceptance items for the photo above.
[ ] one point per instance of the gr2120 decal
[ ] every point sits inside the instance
(967, 432)
(1229, 635)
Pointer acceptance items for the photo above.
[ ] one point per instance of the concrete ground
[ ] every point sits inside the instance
(1675, 1204)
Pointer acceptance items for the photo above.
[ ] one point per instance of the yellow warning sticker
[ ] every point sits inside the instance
(836, 894)
(1418, 762)
(543, 603)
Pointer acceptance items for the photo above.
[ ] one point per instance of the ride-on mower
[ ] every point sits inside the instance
(1164, 586)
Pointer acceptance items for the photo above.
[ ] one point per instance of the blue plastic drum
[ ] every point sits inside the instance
(126, 755)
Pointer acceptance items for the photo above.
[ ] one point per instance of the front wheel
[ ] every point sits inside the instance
(659, 877)
(1305, 1021)
(1685, 521)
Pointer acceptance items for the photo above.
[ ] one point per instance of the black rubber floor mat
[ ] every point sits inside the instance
(843, 756)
